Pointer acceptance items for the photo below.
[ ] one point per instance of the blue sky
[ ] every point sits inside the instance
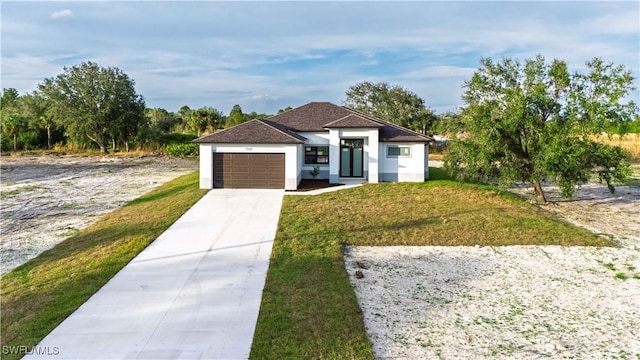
(269, 55)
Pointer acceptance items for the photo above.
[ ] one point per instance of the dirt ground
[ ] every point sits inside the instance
(45, 199)
(616, 216)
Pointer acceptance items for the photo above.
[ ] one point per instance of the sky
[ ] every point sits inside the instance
(266, 56)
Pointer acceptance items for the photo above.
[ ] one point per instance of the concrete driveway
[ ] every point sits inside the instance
(194, 293)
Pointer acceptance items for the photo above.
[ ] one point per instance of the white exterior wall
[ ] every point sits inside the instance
(374, 156)
(334, 156)
(206, 166)
(403, 168)
(315, 138)
(377, 166)
(291, 160)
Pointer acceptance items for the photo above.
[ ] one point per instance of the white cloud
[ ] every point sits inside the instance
(61, 14)
(178, 56)
(616, 23)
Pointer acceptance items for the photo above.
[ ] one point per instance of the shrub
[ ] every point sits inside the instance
(181, 150)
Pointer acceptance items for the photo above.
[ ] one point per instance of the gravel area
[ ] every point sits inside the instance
(46, 199)
(517, 302)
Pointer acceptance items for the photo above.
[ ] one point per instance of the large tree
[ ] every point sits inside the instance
(392, 103)
(532, 122)
(94, 102)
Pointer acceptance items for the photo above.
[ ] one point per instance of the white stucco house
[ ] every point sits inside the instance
(344, 144)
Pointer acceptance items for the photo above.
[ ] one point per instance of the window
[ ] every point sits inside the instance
(395, 151)
(316, 155)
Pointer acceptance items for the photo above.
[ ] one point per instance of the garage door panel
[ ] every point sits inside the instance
(241, 170)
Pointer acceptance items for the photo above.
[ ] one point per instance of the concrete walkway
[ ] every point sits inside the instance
(322, 191)
(194, 293)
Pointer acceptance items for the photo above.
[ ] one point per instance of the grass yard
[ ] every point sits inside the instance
(309, 309)
(40, 294)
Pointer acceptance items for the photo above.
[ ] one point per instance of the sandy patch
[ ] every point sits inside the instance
(508, 302)
(45, 199)
(616, 216)
(518, 302)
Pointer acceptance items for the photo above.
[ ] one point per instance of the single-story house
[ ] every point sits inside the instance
(343, 144)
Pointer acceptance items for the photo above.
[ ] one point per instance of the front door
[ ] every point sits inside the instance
(351, 157)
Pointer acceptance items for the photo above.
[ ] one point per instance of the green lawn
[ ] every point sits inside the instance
(38, 295)
(309, 309)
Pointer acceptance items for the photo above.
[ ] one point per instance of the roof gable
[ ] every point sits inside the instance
(253, 132)
(353, 121)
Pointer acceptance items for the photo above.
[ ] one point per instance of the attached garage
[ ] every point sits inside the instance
(248, 170)
(253, 155)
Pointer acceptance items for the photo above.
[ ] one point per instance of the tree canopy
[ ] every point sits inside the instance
(392, 103)
(96, 103)
(532, 122)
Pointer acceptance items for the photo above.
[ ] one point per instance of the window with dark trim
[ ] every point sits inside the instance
(395, 151)
(316, 154)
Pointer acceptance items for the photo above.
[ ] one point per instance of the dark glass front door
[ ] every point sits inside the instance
(351, 157)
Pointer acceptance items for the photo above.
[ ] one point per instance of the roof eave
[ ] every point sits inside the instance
(295, 142)
(354, 127)
(406, 140)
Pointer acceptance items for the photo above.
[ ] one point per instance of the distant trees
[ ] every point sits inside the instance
(237, 117)
(533, 121)
(92, 106)
(96, 103)
(195, 121)
(161, 120)
(205, 119)
(13, 121)
(392, 103)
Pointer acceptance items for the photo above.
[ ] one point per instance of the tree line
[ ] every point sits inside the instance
(90, 106)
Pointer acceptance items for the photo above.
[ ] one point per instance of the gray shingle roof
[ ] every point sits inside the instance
(353, 121)
(312, 117)
(254, 132)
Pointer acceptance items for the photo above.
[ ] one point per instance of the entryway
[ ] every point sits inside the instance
(351, 157)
